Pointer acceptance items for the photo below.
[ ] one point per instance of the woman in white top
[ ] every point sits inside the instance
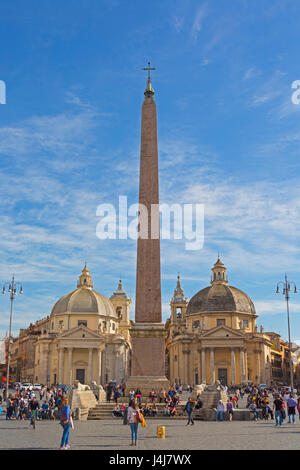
(133, 422)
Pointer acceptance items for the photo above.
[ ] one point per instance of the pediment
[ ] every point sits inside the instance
(222, 332)
(78, 331)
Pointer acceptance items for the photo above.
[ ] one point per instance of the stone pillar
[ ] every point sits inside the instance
(212, 365)
(186, 366)
(99, 376)
(70, 365)
(246, 364)
(263, 368)
(90, 366)
(203, 368)
(117, 363)
(188, 381)
(258, 370)
(48, 366)
(233, 375)
(61, 365)
(242, 364)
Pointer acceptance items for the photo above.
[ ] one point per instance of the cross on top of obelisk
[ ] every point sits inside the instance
(149, 68)
(149, 90)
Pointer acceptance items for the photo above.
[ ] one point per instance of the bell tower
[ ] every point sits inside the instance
(85, 280)
(219, 273)
(178, 303)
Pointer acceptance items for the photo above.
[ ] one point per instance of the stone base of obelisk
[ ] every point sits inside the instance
(148, 358)
(147, 384)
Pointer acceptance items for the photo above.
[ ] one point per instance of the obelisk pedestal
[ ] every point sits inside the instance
(148, 359)
(148, 333)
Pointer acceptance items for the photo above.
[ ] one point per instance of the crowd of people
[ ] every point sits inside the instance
(284, 404)
(264, 403)
(52, 403)
(23, 404)
(170, 398)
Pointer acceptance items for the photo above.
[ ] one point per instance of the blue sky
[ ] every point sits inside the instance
(228, 138)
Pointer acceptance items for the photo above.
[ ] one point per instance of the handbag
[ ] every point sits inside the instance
(64, 419)
(139, 417)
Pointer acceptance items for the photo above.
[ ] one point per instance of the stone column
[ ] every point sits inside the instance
(70, 365)
(99, 367)
(117, 363)
(48, 366)
(212, 365)
(90, 366)
(186, 370)
(242, 364)
(61, 365)
(188, 381)
(233, 375)
(258, 370)
(263, 368)
(246, 364)
(203, 368)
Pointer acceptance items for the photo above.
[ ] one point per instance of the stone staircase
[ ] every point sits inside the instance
(211, 398)
(104, 411)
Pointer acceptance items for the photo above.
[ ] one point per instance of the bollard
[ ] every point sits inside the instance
(161, 432)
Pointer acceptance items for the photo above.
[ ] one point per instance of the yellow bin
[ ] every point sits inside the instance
(161, 432)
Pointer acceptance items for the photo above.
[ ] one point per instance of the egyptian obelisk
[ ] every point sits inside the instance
(148, 333)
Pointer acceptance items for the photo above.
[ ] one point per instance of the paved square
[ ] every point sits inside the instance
(112, 434)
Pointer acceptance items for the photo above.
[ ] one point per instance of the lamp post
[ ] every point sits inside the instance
(286, 288)
(12, 289)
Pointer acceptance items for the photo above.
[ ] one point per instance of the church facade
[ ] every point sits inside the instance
(85, 338)
(214, 336)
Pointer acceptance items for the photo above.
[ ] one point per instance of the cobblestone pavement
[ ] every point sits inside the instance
(110, 435)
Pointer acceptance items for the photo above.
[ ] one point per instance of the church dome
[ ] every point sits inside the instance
(220, 297)
(84, 299)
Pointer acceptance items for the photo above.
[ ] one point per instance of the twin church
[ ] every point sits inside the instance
(87, 337)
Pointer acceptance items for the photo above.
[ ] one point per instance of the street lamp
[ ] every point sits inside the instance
(286, 288)
(12, 289)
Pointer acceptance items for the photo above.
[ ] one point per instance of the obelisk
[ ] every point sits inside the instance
(148, 333)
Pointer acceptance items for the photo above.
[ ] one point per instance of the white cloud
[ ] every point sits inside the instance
(178, 23)
(275, 307)
(251, 73)
(198, 22)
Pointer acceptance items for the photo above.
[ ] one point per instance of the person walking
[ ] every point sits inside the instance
(189, 408)
(277, 406)
(291, 405)
(33, 407)
(220, 410)
(9, 407)
(133, 421)
(67, 423)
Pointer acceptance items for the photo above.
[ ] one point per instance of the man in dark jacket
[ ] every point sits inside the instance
(189, 408)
